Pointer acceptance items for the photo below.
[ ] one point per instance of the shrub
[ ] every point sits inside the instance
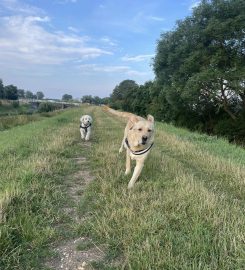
(15, 104)
(46, 107)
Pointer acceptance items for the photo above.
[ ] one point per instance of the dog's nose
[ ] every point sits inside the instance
(144, 138)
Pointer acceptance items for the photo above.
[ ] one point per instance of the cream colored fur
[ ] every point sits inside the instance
(140, 135)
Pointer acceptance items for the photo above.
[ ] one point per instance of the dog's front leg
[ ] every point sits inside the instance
(82, 133)
(122, 145)
(128, 163)
(137, 170)
(88, 135)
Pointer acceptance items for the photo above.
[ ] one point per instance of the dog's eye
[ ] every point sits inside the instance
(149, 130)
(140, 129)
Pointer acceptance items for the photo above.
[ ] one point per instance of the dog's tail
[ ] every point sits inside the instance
(117, 113)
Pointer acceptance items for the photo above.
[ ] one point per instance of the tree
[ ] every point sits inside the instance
(87, 99)
(1, 89)
(21, 93)
(40, 95)
(66, 97)
(105, 100)
(122, 94)
(96, 100)
(46, 107)
(29, 95)
(201, 65)
(11, 92)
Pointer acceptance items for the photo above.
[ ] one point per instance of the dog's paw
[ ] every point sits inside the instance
(120, 150)
(130, 186)
(127, 172)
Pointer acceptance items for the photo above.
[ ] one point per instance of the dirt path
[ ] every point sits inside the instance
(68, 256)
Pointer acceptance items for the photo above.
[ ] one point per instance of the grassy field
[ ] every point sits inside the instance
(7, 122)
(34, 160)
(13, 108)
(11, 115)
(185, 212)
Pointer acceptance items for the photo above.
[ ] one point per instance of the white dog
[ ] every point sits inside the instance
(85, 126)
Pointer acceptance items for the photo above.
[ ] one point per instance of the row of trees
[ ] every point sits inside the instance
(13, 93)
(200, 73)
(94, 100)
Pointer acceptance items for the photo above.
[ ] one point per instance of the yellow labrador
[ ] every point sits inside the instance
(138, 140)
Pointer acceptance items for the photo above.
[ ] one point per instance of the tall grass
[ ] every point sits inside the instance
(10, 121)
(13, 108)
(185, 212)
(34, 158)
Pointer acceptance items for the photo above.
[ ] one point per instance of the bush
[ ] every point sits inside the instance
(15, 104)
(46, 107)
(233, 130)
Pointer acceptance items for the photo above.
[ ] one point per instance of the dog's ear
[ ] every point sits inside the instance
(132, 121)
(81, 119)
(150, 118)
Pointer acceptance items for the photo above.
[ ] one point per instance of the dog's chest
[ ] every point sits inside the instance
(138, 157)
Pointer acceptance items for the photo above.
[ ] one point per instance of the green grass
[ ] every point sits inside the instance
(185, 212)
(11, 116)
(7, 122)
(35, 158)
(8, 108)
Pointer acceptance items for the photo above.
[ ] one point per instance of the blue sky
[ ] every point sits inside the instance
(82, 47)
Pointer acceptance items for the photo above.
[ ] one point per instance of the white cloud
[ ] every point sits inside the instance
(73, 29)
(137, 73)
(155, 18)
(108, 41)
(142, 22)
(25, 39)
(17, 7)
(137, 58)
(100, 68)
(92, 68)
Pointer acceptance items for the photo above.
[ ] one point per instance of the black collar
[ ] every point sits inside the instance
(139, 152)
(86, 127)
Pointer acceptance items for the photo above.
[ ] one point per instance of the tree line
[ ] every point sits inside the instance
(11, 92)
(199, 73)
(94, 100)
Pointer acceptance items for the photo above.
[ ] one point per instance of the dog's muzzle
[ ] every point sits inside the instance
(144, 139)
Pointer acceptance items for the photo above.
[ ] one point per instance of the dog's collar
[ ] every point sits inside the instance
(139, 152)
(86, 127)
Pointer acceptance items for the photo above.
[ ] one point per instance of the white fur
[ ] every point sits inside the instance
(85, 121)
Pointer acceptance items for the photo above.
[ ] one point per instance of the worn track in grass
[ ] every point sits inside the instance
(185, 212)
